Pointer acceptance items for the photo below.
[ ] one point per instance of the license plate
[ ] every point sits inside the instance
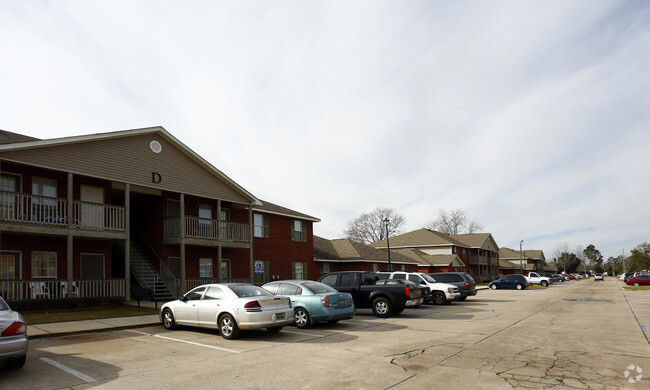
(342, 302)
(279, 316)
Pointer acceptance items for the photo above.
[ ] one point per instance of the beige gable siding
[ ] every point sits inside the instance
(129, 159)
(437, 251)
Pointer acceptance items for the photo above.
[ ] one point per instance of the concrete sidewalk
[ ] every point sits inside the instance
(74, 327)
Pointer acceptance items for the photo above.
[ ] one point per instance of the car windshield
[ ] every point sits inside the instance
(318, 288)
(428, 278)
(248, 290)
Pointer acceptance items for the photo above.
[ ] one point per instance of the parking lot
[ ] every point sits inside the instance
(578, 334)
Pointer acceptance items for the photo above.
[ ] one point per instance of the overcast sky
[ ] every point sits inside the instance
(532, 116)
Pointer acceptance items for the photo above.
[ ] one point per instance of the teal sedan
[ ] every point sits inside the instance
(314, 301)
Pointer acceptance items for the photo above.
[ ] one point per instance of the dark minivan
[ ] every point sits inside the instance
(462, 280)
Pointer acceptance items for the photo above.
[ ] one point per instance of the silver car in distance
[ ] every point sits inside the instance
(228, 307)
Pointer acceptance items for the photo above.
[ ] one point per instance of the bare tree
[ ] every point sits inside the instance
(454, 222)
(561, 254)
(369, 227)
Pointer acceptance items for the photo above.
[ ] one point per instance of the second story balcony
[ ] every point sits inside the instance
(43, 211)
(207, 231)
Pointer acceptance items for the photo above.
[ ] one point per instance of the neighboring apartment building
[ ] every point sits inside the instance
(515, 262)
(95, 214)
(347, 255)
(476, 254)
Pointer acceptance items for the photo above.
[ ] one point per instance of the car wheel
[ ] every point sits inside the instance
(543, 283)
(228, 327)
(274, 330)
(168, 319)
(398, 310)
(520, 287)
(462, 298)
(636, 284)
(15, 364)
(381, 307)
(493, 286)
(301, 317)
(439, 298)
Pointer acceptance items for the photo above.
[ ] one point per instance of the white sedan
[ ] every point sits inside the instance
(229, 308)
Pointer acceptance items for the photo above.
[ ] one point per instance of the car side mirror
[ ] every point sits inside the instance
(182, 298)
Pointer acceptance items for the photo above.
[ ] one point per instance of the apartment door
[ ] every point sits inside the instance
(92, 266)
(92, 207)
(8, 265)
(205, 221)
(8, 188)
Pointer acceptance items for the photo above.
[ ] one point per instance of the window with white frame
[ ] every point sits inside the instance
(299, 231)
(42, 206)
(43, 264)
(205, 268)
(260, 225)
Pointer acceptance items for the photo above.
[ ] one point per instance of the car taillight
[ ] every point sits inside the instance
(325, 302)
(407, 291)
(15, 329)
(253, 306)
(468, 285)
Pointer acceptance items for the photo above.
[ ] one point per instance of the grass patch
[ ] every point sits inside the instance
(46, 317)
(633, 288)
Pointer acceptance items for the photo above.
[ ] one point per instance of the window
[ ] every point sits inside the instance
(299, 231)
(289, 289)
(9, 185)
(195, 294)
(325, 268)
(43, 264)
(299, 270)
(205, 268)
(260, 225)
(214, 293)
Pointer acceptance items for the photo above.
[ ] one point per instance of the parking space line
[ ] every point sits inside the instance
(186, 342)
(69, 370)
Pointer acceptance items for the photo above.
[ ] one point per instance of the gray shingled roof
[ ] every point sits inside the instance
(276, 209)
(347, 250)
(7, 137)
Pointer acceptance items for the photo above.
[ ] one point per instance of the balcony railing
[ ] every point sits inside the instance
(209, 229)
(59, 288)
(191, 283)
(48, 211)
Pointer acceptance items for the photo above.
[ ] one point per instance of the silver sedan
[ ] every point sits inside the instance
(13, 337)
(228, 307)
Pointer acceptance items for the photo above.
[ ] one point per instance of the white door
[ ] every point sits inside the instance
(92, 207)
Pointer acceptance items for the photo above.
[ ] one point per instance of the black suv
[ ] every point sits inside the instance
(462, 280)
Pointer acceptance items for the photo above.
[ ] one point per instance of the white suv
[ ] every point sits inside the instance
(441, 293)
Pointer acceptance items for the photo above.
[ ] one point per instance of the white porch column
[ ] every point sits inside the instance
(251, 262)
(70, 247)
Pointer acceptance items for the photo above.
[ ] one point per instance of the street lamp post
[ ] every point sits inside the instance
(521, 258)
(386, 222)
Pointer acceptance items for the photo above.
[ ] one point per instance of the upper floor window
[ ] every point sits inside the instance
(299, 231)
(260, 225)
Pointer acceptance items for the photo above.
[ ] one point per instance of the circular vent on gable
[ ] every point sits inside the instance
(155, 146)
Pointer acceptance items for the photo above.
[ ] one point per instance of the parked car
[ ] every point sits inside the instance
(517, 281)
(441, 293)
(550, 276)
(639, 280)
(465, 283)
(558, 278)
(536, 278)
(313, 301)
(228, 307)
(13, 337)
(384, 300)
(628, 276)
(598, 276)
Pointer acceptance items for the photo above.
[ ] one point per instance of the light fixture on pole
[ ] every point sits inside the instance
(521, 258)
(386, 222)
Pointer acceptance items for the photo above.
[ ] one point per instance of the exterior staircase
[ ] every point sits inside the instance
(148, 277)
